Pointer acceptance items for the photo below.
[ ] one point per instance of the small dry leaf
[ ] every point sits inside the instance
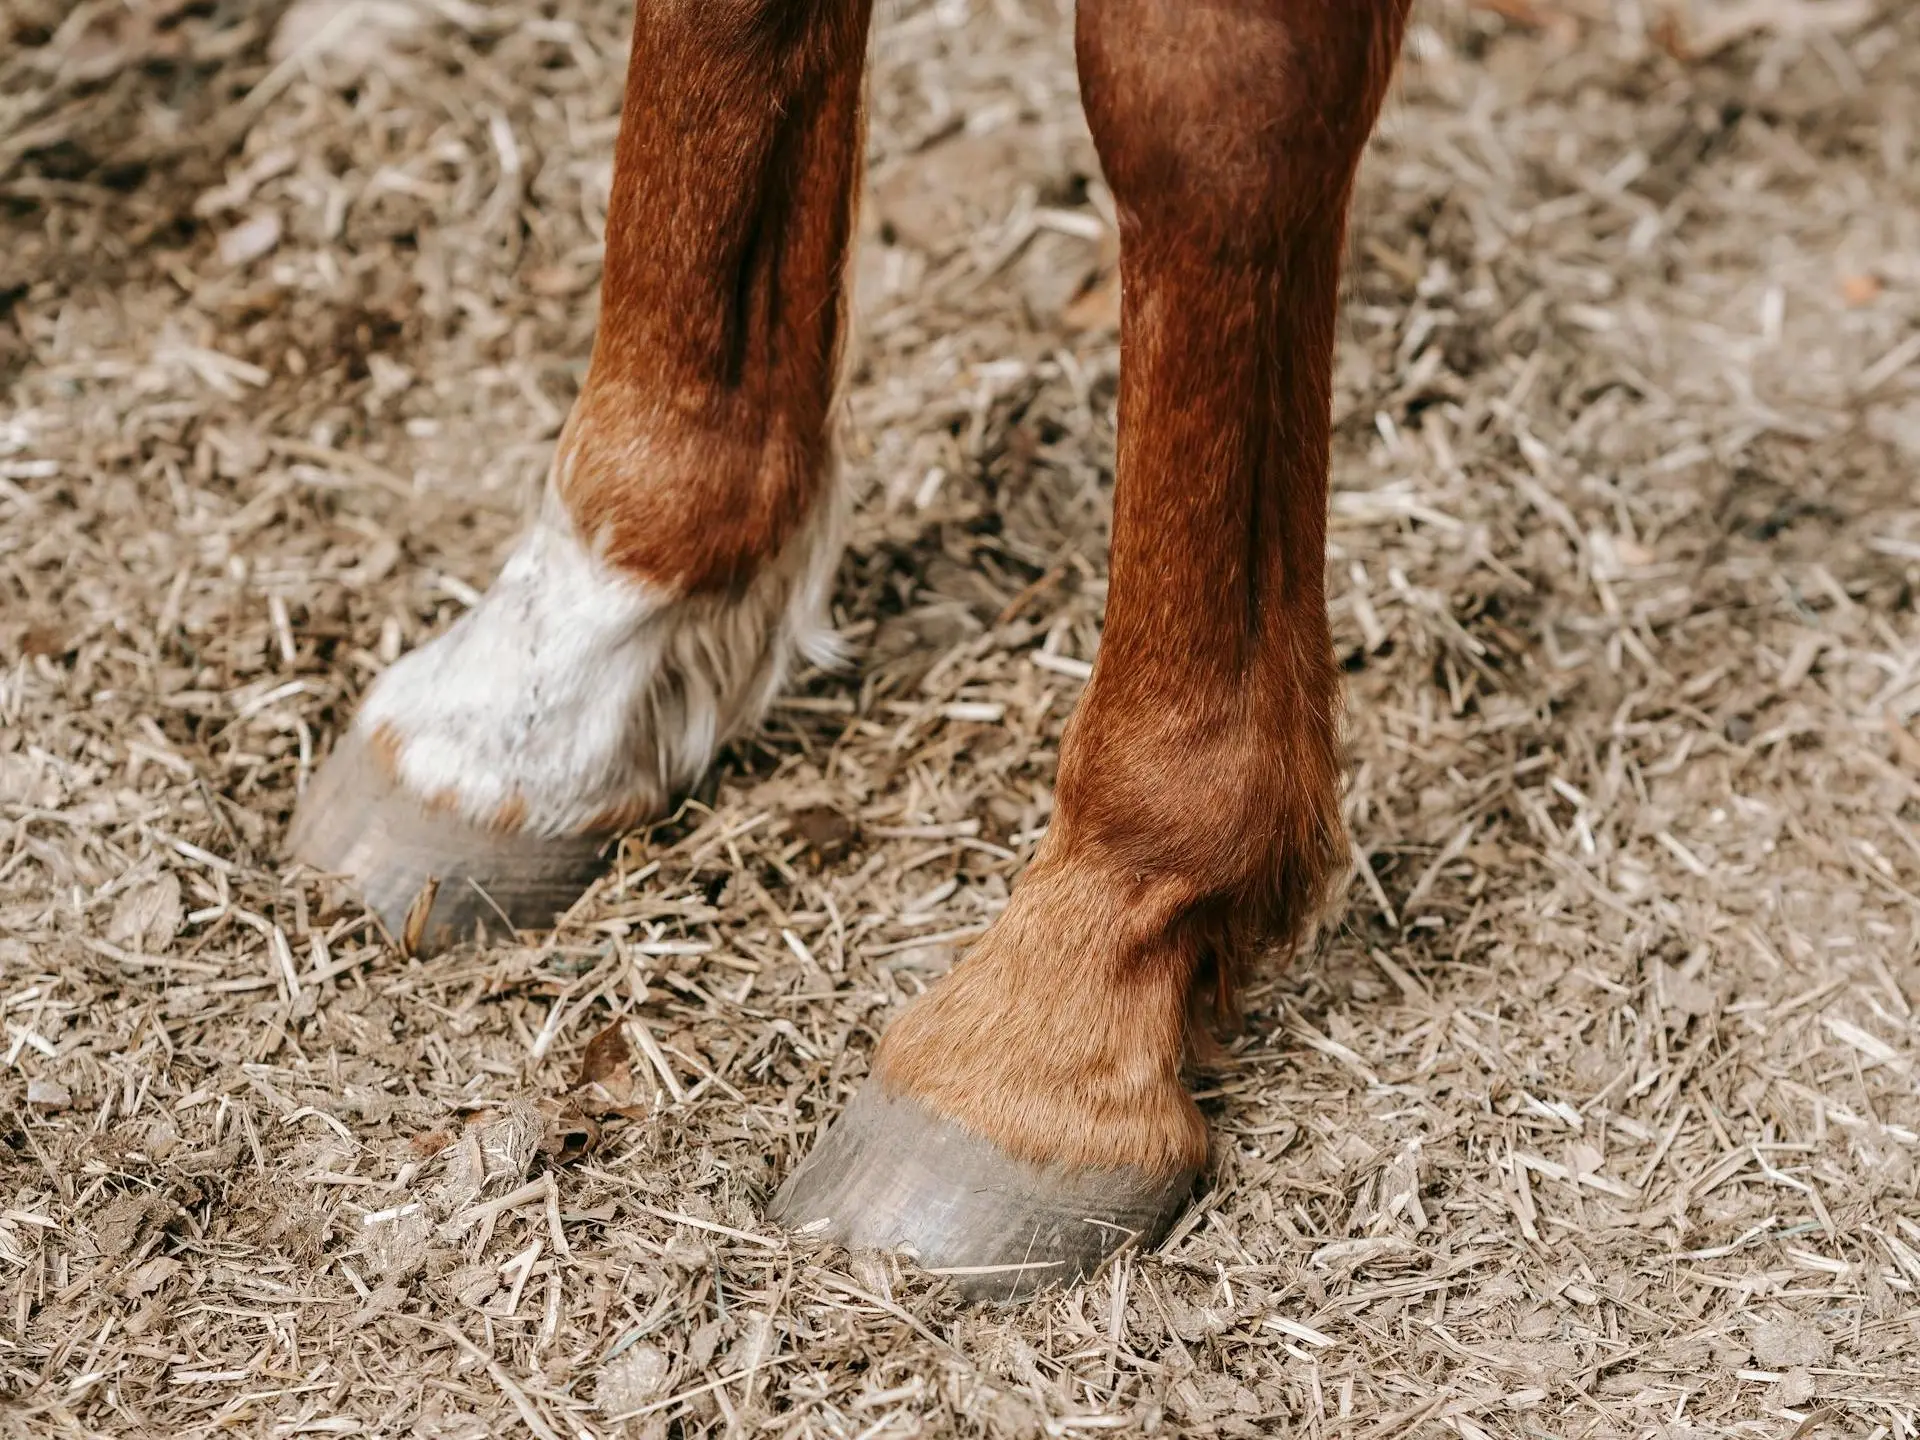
(828, 833)
(605, 1085)
(44, 639)
(606, 1056)
(569, 1133)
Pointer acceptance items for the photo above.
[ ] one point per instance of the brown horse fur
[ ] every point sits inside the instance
(701, 437)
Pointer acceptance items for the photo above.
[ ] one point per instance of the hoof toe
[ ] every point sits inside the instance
(434, 878)
(892, 1175)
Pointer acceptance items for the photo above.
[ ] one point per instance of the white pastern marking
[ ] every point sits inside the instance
(572, 691)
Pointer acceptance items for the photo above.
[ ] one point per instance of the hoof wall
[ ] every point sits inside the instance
(433, 878)
(892, 1175)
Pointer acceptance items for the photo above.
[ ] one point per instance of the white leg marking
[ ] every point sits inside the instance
(571, 692)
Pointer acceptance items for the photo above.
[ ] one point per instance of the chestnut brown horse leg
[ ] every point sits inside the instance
(688, 539)
(1028, 1115)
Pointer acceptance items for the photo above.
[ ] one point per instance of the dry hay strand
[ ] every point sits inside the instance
(1591, 1112)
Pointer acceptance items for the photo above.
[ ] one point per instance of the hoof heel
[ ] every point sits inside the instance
(433, 878)
(892, 1175)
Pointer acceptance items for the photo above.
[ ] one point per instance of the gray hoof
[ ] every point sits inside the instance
(433, 878)
(892, 1175)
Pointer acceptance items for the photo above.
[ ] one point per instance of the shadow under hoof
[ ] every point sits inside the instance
(433, 878)
(892, 1175)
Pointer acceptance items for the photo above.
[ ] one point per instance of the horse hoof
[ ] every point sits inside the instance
(433, 878)
(890, 1174)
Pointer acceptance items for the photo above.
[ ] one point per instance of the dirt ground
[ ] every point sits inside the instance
(1591, 1111)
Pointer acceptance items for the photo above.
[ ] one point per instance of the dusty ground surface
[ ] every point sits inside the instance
(1593, 1109)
